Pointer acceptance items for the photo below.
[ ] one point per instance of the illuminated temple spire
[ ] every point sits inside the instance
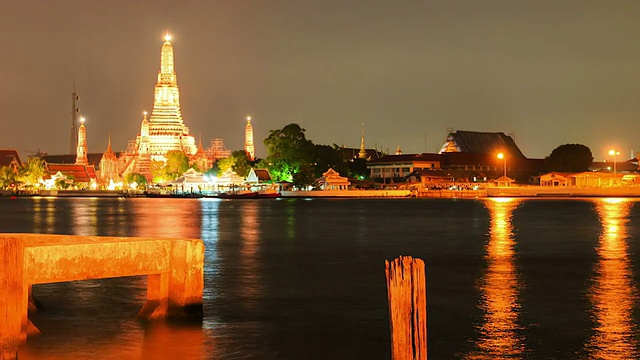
(81, 151)
(166, 106)
(248, 140)
(363, 152)
(164, 130)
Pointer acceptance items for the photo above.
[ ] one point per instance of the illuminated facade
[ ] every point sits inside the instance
(81, 150)
(362, 154)
(248, 140)
(109, 165)
(164, 130)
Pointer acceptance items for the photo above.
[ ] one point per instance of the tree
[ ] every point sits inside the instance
(177, 164)
(7, 177)
(358, 168)
(157, 171)
(290, 155)
(328, 157)
(31, 172)
(242, 164)
(137, 178)
(569, 158)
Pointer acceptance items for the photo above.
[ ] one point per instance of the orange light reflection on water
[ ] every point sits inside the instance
(498, 336)
(613, 295)
(172, 218)
(250, 233)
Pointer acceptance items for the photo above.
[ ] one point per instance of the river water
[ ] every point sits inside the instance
(304, 278)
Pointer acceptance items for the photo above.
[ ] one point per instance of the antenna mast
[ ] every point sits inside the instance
(73, 139)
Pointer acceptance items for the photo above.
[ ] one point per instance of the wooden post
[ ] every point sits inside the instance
(13, 297)
(407, 293)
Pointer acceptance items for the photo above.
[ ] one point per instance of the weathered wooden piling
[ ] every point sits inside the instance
(407, 293)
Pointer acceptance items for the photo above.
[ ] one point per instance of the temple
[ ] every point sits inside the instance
(164, 130)
(81, 151)
(248, 140)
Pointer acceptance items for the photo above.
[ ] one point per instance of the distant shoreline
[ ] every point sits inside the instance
(506, 191)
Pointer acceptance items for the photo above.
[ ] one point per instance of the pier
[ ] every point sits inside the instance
(174, 270)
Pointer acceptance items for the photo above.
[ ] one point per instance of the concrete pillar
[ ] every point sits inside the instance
(13, 302)
(178, 293)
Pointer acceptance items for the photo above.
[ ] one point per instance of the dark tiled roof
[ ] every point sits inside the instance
(453, 159)
(353, 153)
(262, 174)
(94, 159)
(80, 173)
(8, 155)
(406, 158)
(485, 143)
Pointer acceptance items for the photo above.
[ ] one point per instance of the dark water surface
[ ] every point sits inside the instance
(304, 279)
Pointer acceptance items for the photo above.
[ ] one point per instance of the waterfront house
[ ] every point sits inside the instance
(331, 180)
(10, 158)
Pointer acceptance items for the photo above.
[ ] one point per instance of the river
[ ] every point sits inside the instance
(304, 278)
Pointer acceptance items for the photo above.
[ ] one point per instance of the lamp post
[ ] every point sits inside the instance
(615, 154)
(504, 165)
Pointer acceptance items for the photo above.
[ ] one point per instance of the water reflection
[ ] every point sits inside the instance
(250, 234)
(43, 215)
(84, 217)
(499, 335)
(613, 293)
(173, 218)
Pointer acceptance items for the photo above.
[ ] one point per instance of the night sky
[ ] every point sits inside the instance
(547, 72)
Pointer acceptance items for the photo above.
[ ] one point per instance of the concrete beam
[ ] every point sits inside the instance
(174, 269)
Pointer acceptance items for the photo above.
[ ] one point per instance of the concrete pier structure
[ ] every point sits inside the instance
(174, 269)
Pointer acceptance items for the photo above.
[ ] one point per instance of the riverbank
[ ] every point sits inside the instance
(347, 194)
(565, 191)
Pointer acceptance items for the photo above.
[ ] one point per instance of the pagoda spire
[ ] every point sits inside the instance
(81, 151)
(166, 104)
(249, 148)
(363, 152)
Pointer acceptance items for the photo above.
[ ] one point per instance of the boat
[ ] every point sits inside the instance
(244, 194)
(268, 194)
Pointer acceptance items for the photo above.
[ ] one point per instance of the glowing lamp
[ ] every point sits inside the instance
(167, 37)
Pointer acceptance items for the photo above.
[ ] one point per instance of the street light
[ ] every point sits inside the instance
(504, 165)
(615, 154)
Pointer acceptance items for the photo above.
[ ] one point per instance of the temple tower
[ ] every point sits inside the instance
(81, 150)
(248, 140)
(165, 130)
(109, 164)
(363, 152)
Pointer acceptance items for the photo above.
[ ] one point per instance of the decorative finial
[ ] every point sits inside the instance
(167, 37)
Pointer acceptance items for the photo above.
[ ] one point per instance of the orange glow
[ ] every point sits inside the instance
(167, 218)
(613, 293)
(500, 156)
(499, 286)
(250, 278)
